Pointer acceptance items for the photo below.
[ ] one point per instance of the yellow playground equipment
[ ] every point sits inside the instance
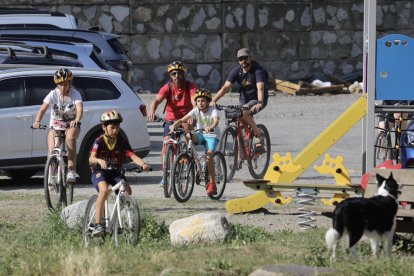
(285, 169)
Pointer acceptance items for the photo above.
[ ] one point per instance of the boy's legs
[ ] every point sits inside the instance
(98, 180)
(71, 135)
(211, 146)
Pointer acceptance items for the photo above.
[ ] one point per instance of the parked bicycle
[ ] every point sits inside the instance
(121, 220)
(190, 168)
(58, 192)
(388, 143)
(237, 144)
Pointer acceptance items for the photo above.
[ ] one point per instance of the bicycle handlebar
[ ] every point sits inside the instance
(136, 168)
(45, 126)
(157, 119)
(40, 127)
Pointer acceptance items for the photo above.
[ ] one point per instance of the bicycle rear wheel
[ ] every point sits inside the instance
(183, 177)
(382, 148)
(229, 148)
(220, 175)
(128, 226)
(89, 222)
(53, 184)
(167, 169)
(259, 162)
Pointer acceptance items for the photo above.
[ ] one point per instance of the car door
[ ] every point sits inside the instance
(37, 87)
(15, 121)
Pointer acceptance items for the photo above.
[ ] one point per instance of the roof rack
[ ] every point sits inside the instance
(7, 11)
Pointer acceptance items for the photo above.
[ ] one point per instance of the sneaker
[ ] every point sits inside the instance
(259, 150)
(162, 183)
(211, 189)
(98, 230)
(71, 177)
(260, 140)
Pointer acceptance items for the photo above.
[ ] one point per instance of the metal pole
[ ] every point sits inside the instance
(370, 41)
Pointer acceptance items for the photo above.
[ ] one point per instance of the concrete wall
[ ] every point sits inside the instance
(292, 39)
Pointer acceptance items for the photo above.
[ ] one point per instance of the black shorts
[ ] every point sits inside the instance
(249, 105)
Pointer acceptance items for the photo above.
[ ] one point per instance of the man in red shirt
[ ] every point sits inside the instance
(178, 93)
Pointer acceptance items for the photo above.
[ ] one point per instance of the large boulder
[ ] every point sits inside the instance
(203, 227)
(73, 214)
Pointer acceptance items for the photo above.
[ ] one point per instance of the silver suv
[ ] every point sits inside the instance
(83, 52)
(26, 17)
(107, 45)
(23, 150)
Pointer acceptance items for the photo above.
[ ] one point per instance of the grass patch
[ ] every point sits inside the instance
(50, 248)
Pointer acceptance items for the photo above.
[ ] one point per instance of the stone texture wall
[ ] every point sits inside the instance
(292, 39)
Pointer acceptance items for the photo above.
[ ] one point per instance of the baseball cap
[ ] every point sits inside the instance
(243, 52)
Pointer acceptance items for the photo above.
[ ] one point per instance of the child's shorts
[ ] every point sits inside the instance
(209, 142)
(110, 178)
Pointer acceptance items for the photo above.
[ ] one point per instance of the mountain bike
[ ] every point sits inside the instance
(121, 219)
(173, 146)
(190, 169)
(237, 144)
(58, 192)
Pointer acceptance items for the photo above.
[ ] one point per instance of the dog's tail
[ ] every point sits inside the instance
(331, 237)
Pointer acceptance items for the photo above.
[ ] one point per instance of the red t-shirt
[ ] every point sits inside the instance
(178, 101)
(116, 156)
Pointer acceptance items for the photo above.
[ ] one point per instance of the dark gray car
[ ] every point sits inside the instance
(106, 44)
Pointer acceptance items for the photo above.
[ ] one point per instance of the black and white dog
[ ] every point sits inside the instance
(372, 217)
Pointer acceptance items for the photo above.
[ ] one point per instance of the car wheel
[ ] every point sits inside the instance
(84, 170)
(23, 174)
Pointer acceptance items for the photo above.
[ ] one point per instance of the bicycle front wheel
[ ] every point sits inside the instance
(220, 175)
(259, 161)
(229, 148)
(128, 225)
(167, 168)
(89, 222)
(183, 177)
(69, 193)
(53, 184)
(382, 148)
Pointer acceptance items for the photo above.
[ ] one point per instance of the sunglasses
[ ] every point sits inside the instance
(176, 73)
(113, 123)
(243, 58)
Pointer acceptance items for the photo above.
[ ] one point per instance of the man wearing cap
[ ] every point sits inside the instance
(251, 77)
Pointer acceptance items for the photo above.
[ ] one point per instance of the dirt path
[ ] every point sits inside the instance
(293, 122)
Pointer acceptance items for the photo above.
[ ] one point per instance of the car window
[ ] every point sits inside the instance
(116, 46)
(38, 88)
(95, 89)
(11, 93)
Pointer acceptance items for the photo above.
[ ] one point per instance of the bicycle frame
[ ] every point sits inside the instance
(192, 151)
(242, 140)
(59, 150)
(173, 141)
(110, 220)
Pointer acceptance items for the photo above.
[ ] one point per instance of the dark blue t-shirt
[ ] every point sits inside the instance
(247, 81)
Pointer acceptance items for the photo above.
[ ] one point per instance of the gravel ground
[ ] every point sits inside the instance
(293, 122)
